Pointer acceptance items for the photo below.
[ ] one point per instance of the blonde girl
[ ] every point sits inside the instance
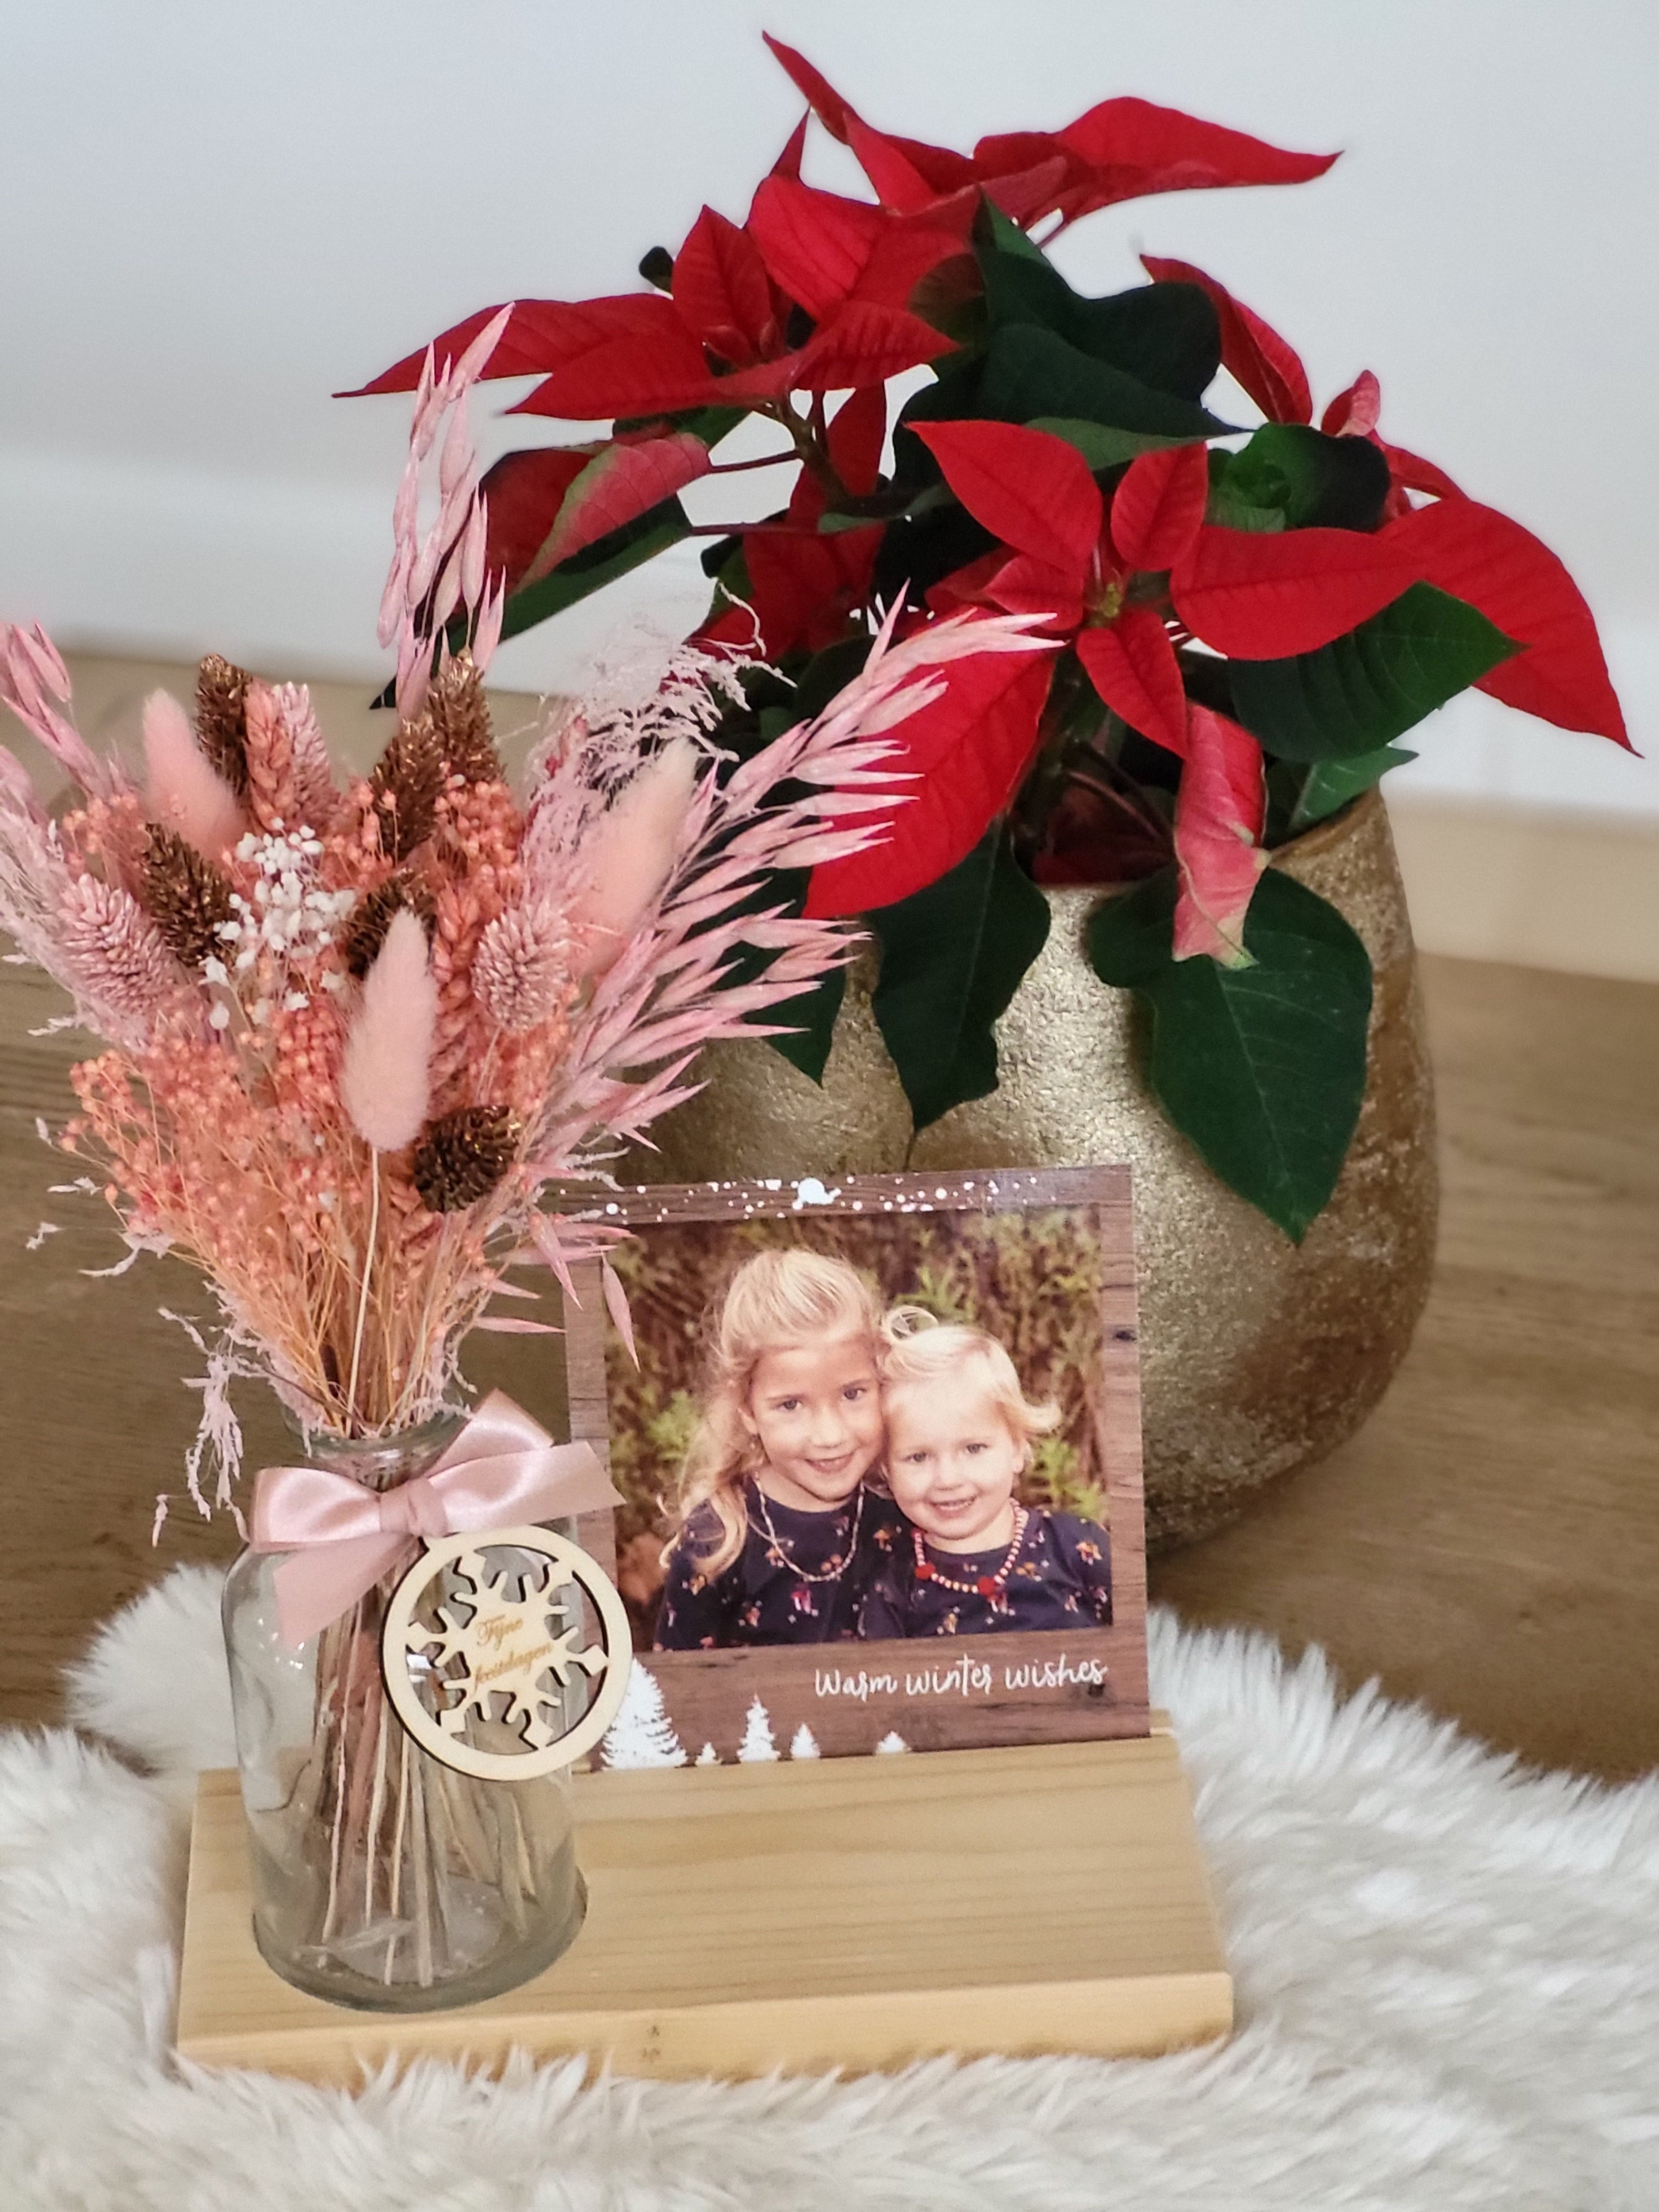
(972, 1558)
(780, 1530)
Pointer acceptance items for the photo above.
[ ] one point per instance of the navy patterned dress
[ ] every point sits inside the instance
(761, 1598)
(1061, 1578)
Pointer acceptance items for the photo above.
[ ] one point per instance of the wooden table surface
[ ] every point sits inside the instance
(1489, 1543)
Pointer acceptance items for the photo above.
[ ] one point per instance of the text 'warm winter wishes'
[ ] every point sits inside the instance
(963, 1678)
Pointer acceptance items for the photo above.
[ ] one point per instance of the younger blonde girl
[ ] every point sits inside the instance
(974, 1558)
(780, 1532)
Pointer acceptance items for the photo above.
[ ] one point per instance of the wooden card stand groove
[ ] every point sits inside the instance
(851, 1913)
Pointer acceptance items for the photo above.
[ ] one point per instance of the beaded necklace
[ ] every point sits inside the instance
(991, 1586)
(781, 1548)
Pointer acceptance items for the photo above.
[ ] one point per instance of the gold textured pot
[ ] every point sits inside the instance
(1258, 1355)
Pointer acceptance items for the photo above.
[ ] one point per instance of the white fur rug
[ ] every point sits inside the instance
(1447, 1975)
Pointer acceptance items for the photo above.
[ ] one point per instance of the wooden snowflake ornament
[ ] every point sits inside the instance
(490, 1659)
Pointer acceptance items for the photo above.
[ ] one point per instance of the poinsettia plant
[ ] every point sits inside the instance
(1241, 621)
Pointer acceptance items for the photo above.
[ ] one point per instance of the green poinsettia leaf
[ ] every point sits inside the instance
(812, 1024)
(1131, 939)
(1301, 792)
(597, 565)
(1104, 448)
(711, 424)
(1030, 372)
(892, 505)
(1263, 1067)
(916, 552)
(776, 699)
(951, 958)
(996, 233)
(1314, 482)
(817, 680)
(1166, 336)
(1228, 505)
(1364, 690)
(1021, 285)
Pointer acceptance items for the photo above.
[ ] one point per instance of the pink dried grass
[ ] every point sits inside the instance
(119, 959)
(436, 572)
(273, 788)
(34, 684)
(385, 1078)
(625, 861)
(183, 789)
(315, 798)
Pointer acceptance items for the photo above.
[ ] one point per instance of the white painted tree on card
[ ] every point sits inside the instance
(803, 1744)
(757, 1743)
(642, 1735)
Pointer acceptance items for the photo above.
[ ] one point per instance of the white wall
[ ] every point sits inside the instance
(216, 211)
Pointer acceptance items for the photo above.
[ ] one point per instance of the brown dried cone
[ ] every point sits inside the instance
(407, 782)
(185, 895)
(459, 715)
(221, 718)
(464, 1155)
(371, 918)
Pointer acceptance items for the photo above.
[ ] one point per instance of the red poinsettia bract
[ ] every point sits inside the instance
(1036, 494)
(1120, 149)
(728, 336)
(815, 294)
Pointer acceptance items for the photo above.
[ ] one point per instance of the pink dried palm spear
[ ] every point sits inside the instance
(435, 574)
(34, 684)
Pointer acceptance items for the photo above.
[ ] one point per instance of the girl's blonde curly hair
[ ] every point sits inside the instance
(918, 1347)
(775, 1301)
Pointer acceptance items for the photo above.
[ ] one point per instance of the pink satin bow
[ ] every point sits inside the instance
(503, 1469)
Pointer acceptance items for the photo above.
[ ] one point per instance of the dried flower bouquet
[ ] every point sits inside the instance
(357, 1033)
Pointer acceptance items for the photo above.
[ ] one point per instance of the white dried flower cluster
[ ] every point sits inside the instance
(289, 913)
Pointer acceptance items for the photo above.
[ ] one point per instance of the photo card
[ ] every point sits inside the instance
(880, 1455)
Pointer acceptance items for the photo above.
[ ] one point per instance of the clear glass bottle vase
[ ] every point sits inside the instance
(381, 1878)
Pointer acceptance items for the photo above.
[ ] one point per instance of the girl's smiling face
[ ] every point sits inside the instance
(815, 1411)
(952, 1463)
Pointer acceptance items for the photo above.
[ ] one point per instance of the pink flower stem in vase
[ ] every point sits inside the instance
(362, 1300)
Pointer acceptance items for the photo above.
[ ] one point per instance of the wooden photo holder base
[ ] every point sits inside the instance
(850, 1913)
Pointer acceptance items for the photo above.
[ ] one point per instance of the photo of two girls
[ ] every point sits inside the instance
(876, 1443)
